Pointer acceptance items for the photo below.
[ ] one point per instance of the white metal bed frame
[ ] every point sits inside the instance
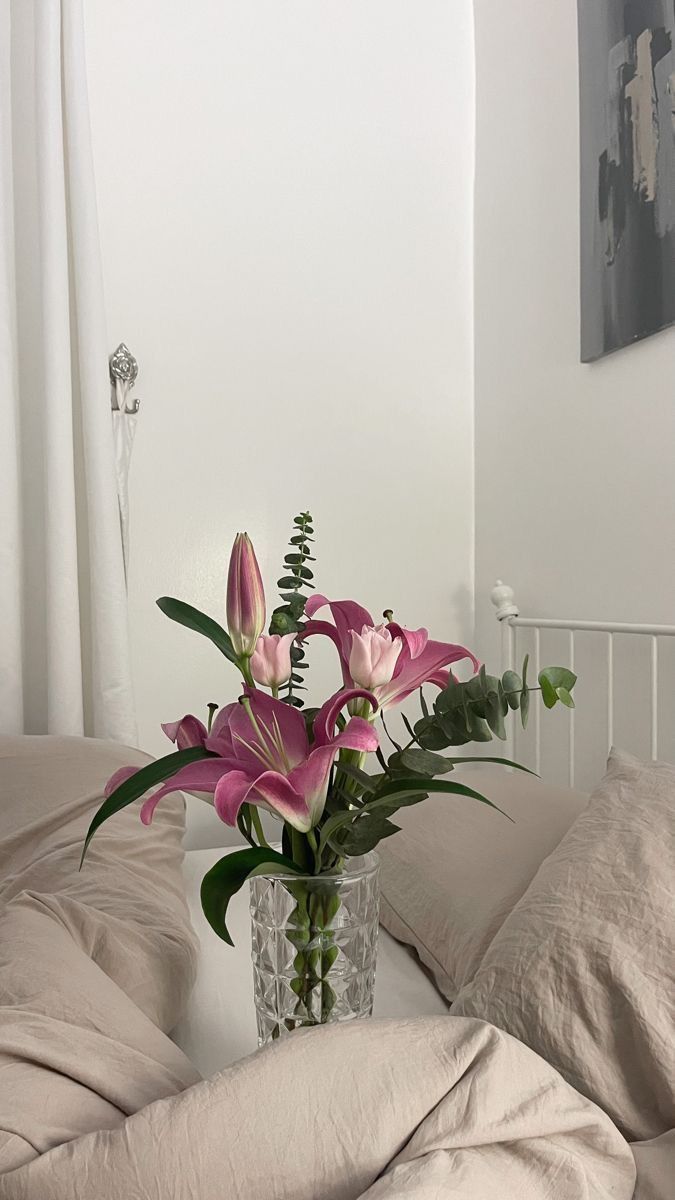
(508, 615)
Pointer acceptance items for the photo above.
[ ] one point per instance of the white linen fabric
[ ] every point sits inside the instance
(583, 969)
(65, 664)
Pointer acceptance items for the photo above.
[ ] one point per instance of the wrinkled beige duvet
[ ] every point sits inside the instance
(96, 1103)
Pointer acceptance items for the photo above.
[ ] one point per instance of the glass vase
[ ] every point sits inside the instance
(314, 946)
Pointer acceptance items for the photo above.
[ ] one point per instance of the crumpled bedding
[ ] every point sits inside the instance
(96, 1103)
(379, 1110)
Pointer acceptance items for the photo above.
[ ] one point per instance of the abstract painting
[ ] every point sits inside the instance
(627, 75)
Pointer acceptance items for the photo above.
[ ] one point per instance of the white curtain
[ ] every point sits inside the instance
(64, 660)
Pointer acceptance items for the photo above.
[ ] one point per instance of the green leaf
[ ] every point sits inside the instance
(525, 695)
(228, 875)
(558, 677)
(401, 789)
(363, 835)
(504, 762)
(192, 618)
(281, 622)
(556, 684)
(495, 716)
(430, 735)
(512, 685)
(331, 826)
(139, 783)
(425, 762)
(367, 782)
(464, 726)
(294, 604)
(289, 582)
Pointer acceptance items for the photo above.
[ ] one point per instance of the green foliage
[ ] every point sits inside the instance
(289, 616)
(139, 783)
(556, 684)
(359, 828)
(475, 711)
(192, 618)
(419, 762)
(228, 875)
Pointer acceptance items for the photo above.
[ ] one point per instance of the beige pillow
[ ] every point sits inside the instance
(457, 868)
(94, 963)
(583, 970)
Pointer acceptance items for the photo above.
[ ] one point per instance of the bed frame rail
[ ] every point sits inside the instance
(503, 599)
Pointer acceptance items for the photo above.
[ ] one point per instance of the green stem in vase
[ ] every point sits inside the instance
(313, 937)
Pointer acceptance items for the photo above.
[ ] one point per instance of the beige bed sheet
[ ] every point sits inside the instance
(96, 1103)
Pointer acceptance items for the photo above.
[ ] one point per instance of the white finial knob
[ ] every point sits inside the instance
(503, 598)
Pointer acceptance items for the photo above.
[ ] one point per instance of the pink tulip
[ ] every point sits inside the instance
(245, 597)
(420, 660)
(373, 656)
(271, 659)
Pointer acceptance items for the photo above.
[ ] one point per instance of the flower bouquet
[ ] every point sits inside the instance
(321, 772)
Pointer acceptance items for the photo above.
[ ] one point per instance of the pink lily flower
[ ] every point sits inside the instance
(201, 777)
(245, 597)
(271, 659)
(420, 660)
(265, 759)
(189, 731)
(276, 767)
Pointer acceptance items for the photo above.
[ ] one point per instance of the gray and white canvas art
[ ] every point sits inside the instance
(627, 66)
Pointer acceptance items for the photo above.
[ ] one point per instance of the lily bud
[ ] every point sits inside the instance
(245, 597)
(271, 659)
(373, 656)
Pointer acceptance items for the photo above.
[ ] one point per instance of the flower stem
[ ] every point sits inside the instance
(257, 825)
(245, 668)
(311, 838)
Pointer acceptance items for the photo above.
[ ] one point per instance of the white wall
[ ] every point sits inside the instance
(285, 200)
(575, 465)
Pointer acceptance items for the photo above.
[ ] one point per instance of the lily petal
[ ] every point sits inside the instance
(201, 776)
(414, 639)
(120, 776)
(325, 719)
(219, 741)
(411, 673)
(280, 737)
(230, 794)
(347, 615)
(310, 780)
(358, 734)
(189, 731)
(278, 793)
